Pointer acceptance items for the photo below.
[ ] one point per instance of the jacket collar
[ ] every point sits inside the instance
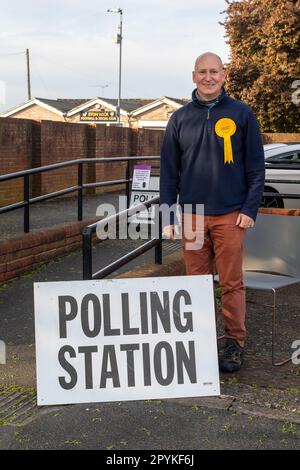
(218, 100)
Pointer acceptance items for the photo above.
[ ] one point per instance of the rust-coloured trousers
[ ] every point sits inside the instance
(222, 241)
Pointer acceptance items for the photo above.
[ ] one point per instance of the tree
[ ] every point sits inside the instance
(264, 39)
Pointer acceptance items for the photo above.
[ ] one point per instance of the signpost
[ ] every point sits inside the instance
(125, 339)
(144, 187)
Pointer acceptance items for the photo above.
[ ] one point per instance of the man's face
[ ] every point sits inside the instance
(209, 77)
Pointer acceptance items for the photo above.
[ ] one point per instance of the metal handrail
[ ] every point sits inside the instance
(54, 166)
(25, 174)
(87, 239)
(27, 201)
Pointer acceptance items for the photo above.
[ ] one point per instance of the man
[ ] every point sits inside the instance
(212, 154)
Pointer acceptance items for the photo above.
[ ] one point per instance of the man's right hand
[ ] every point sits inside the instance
(168, 232)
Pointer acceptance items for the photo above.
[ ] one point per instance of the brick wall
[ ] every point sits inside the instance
(148, 142)
(283, 138)
(61, 142)
(26, 143)
(19, 147)
(33, 249)
(111, 142)
(21, 254)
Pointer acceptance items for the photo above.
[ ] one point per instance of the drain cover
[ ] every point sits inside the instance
(17, 406)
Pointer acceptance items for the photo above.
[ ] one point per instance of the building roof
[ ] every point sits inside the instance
(70, 106)
(64, 104)
(181, 101)
(175, 102)
(129, 104)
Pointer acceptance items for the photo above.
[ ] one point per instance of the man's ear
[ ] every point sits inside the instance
(193, 76)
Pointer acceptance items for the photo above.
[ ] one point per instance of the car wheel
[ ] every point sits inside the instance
(272, 201)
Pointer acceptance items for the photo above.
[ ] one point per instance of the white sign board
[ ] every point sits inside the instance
(140, 197)
(141, 177)
(125, 339)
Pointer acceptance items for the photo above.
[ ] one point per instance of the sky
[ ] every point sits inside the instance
(72, 53)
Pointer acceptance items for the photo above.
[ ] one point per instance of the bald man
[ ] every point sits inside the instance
(212, 154)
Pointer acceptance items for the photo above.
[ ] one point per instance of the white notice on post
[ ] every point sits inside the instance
(125, 339)
(141, 177)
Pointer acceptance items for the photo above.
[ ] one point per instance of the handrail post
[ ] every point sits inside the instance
(79, 182)
(128, 183)
(158, 248)
(26, 223)
(87, 261)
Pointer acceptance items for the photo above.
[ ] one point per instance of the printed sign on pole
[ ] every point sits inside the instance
(138, 197)
(125, 339)
(141, 176)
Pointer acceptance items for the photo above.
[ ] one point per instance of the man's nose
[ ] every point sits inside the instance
(208, 76)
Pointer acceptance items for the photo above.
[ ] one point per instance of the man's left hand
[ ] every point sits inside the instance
(243, 221)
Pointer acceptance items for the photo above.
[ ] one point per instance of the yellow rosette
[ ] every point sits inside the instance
(225, 128)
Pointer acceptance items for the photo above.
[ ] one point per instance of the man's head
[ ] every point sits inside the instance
(209, 75)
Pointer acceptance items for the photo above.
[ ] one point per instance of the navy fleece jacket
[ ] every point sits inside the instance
(192, 159)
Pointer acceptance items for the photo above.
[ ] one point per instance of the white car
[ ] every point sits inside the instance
(282, 154)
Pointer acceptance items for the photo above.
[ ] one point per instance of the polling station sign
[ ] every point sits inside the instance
(125, 339)
(141, 197)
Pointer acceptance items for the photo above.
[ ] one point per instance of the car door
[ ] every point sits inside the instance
(289, 158)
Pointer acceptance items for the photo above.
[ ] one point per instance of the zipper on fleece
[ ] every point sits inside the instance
(209, 129)
(209, 126)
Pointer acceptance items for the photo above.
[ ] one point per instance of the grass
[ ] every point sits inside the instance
(232, 381)
(226, 428)
(8, 389)
(196, 408)
(290, 428)
(75, 442)
(146, 431)
(20, 437)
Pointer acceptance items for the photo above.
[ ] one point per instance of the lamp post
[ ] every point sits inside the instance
(118, 40)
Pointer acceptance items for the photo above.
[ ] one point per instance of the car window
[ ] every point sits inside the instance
(295, 156)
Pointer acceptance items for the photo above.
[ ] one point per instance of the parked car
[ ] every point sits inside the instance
(278, 154)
